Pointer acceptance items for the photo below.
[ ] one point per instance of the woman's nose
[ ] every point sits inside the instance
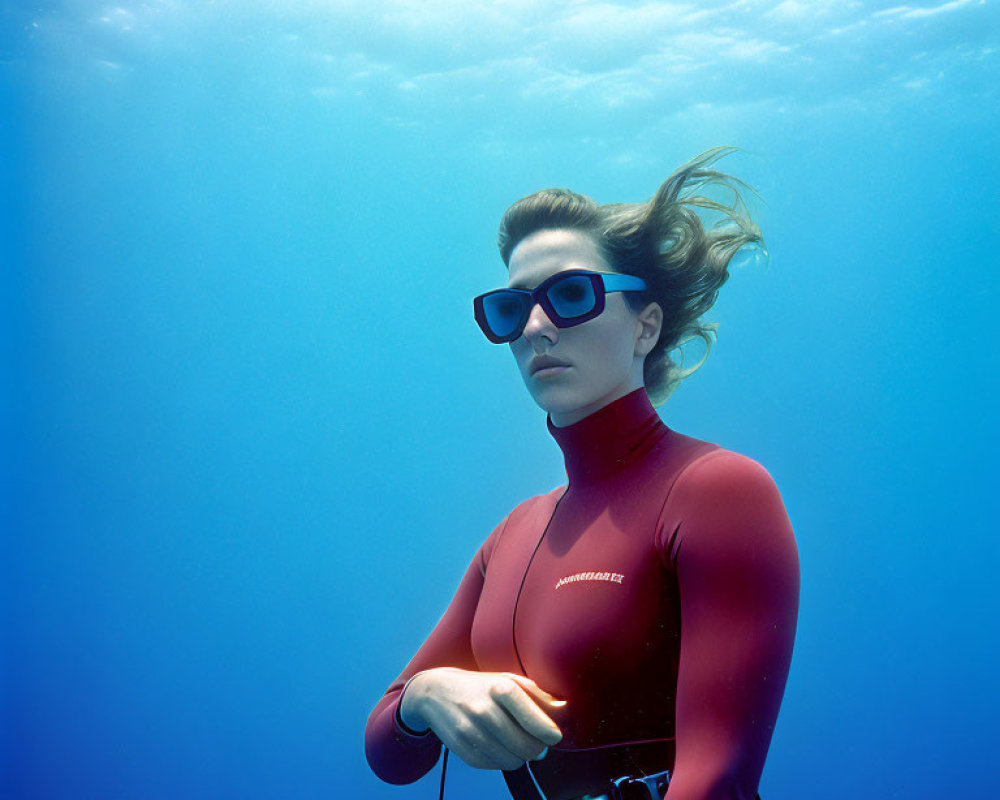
(539, 325)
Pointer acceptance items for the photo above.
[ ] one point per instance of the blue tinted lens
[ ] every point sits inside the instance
(572, 296)
(503, 312)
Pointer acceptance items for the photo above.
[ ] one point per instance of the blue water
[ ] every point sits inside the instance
(252, 435)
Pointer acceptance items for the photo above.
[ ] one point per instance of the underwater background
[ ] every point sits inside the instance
(251, 434)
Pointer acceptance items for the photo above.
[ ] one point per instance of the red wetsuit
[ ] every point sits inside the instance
(657, 594)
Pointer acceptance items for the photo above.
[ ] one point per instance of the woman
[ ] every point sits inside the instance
(628, 634)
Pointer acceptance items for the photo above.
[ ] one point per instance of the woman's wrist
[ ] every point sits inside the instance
(409, 707)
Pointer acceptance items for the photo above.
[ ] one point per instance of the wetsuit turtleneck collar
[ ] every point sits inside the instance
(606, 441)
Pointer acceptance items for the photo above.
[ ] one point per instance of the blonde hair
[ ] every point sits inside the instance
(662, 241)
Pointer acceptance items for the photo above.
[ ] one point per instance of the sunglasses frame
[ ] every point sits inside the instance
(602, 283)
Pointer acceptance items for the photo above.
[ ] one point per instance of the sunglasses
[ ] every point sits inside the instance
(568, 298)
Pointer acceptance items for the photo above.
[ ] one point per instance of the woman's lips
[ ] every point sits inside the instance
(550, 372)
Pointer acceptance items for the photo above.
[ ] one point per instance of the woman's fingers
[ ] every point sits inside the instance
(477, 747)
(511, 735)
(536, 723)
(534, 689)
(493, 733)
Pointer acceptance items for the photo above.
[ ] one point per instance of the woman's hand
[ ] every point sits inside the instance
(488, 719)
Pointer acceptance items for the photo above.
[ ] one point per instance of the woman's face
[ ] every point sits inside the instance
(601, 359)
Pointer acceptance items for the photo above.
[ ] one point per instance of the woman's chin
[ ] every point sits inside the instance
(558, 403)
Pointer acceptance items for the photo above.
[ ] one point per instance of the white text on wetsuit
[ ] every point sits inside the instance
(613, 577)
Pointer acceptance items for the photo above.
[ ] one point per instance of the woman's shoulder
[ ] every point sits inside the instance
(537, 509)
(723, 476)
(721, 495)
(725, 465)
(700, 465)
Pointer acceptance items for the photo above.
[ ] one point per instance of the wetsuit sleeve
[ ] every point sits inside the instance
(732, 546)
(395, 753)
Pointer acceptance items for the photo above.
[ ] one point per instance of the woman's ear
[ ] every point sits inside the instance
(648, 325)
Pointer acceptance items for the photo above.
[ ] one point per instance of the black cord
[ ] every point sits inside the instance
(444, 767)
